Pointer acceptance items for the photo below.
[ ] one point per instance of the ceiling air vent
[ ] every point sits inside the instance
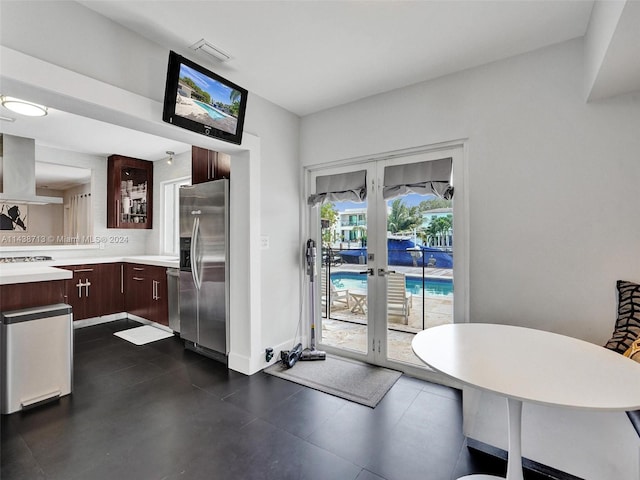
(211, 50)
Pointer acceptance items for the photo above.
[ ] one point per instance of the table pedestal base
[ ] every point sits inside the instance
(514, 462)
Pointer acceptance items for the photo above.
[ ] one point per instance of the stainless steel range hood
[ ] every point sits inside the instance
(19, 172)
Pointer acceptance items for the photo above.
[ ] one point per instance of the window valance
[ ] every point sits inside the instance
(424, 178)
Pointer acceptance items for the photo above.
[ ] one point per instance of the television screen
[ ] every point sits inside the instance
(202, 101)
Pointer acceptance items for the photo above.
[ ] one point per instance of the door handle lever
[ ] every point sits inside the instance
(382, 272)
(368, 271)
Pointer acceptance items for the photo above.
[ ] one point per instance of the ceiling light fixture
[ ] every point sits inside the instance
(170, 159)
(211, 50)
(23, 107)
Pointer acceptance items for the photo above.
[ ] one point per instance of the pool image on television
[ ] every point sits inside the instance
(207, 101)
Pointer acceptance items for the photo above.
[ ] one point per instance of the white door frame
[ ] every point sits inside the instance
(458, 151)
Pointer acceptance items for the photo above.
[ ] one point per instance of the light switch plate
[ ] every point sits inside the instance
(264, 242)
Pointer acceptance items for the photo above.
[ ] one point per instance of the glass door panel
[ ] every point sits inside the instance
(133, 195)
(344, 286)
(387, 262)
(420, 270)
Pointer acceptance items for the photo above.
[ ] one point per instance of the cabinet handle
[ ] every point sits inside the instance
(138, 269)
(122, 279)
(85, 284)
(83, 270)
(138, 279)
(117, 213)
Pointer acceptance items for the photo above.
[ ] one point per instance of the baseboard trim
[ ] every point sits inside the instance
(89, 322)
(539, 468)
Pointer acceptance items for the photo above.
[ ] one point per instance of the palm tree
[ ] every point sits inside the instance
(431, 232)
(438, 227)
(403, 218)
(234, 96)
(329, 217)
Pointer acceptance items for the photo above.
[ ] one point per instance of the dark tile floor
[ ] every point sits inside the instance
(160, 412)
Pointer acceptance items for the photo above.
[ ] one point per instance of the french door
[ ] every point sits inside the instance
(385, 266)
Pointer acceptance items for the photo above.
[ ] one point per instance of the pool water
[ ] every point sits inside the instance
(355, 281)
(213, 113)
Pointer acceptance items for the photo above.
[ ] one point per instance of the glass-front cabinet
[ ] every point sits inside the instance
(130, 192)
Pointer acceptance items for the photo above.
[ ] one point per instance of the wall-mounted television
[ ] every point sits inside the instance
(199, 100)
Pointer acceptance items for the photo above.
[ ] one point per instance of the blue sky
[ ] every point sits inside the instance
(410, 200)
(218, 91)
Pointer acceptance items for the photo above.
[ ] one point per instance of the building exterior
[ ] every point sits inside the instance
(352, 225)
(438, 238)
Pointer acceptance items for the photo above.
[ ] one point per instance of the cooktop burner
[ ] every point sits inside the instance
(37, 258)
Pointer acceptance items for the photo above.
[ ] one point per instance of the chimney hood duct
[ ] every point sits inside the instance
(19, 172)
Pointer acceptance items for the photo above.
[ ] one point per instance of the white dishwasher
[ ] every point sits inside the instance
(37, 356)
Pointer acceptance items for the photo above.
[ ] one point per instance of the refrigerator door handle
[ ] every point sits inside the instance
(195, 263)
(192, 252)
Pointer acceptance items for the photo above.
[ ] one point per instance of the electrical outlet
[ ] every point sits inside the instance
(264, 242)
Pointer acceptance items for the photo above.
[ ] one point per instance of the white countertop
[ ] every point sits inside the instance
(157, 260)
(532, 365)
(30, 272)
(26, 272)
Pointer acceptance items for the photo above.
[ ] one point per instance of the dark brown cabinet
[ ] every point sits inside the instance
(159, 309)
(83, 291)
(112, 288)
(33, 294)
(129, 192)
(96, 290)
(146, 292)
(136, 281)
(207, 165)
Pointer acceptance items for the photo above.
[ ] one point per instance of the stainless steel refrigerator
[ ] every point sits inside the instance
(204, 268)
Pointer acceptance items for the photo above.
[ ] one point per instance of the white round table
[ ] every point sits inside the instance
(530, 365)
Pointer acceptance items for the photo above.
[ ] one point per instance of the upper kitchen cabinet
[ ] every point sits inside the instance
(207, 165)
(129, 192)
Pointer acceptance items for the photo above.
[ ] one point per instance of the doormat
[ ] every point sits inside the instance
(143, 335)
(345, 378)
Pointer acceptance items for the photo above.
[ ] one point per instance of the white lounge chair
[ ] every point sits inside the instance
(399, 301)
(336, 295)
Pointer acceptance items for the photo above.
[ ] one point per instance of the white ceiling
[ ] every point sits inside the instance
(67, 131)
(308, 56)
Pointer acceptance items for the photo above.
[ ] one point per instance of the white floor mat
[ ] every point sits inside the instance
(143, 335)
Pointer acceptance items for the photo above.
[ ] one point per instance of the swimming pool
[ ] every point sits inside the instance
(213, 113)
(432, 286)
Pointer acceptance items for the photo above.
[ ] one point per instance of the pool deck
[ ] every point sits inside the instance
(347, 329)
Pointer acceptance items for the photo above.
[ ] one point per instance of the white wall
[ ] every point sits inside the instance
(133, 71)
(136, 240)
(588, 444)
(553, 208)
(163, 172)
(602, 27)
(552, 182)
(279, 213)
